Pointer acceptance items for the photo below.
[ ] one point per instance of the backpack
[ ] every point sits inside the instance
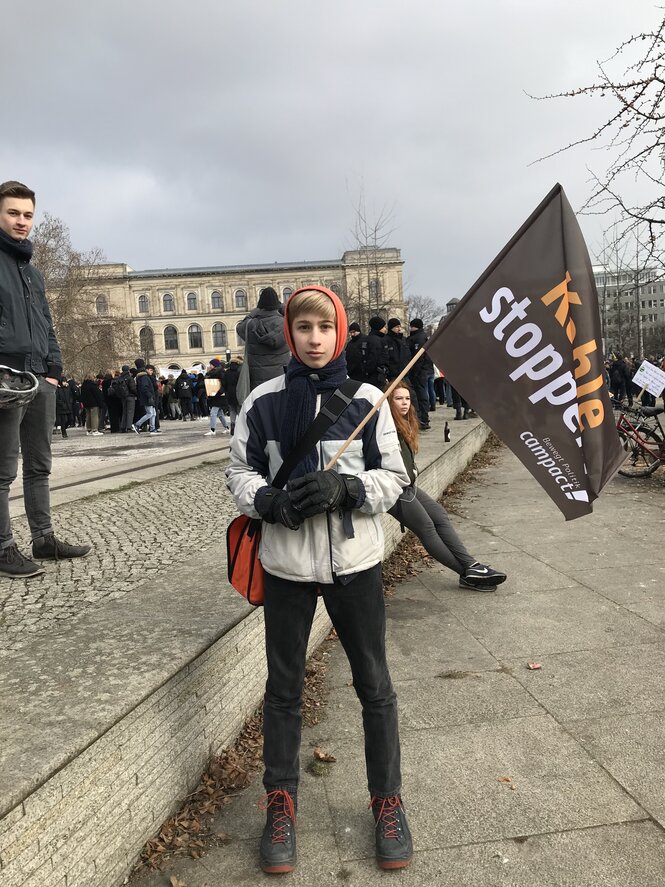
(119, 388)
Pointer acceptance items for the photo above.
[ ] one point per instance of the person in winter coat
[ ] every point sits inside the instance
(112, 400)
(183, 389)
(263, 330)
(397, 348)
(217, 401)
(620, 376)
(231, 385)
(375, 353)
(146, 389)
(354, 353)
(420, 372)
(321, 535)
(92, 400)
(75, 392)
(427, 518)
(128, 384)
(63, 407)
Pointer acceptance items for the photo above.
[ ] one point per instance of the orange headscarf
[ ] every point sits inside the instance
(340, 315)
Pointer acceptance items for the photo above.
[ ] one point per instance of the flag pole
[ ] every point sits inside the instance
(356, 431)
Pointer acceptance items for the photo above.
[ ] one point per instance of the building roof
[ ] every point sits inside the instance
(233, 269)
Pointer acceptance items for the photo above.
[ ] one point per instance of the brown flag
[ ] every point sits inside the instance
(523, 347)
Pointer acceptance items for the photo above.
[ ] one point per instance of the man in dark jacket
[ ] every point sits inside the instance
(127, 385)
(183, 389)
(399, 353)
(146, 390)
(354, 353)
(420, 371)
(375, 355)
(27, 342)
(231, 384)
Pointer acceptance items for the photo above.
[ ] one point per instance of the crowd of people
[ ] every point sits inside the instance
(619, 372)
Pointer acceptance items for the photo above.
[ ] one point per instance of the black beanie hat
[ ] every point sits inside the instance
(393, 322)
(354, 328)
(417, 323)
(268, 300)
(376, 323)
(125, 368)
(139, 363)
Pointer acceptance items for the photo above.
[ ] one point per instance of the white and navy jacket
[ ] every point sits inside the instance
(321, 549)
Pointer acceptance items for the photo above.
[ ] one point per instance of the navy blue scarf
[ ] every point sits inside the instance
(303, 384)
(20, 249)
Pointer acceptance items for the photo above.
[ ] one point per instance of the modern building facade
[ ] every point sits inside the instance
(185, 316)
(632, 308)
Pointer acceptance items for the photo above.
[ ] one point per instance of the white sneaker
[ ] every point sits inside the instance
(89, 433)
(226, 430)
(98, 433)
(210, 433)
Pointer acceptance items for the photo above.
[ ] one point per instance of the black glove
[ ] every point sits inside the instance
(321, 491)
(275, 507)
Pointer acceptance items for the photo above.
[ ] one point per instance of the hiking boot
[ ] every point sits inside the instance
(278, 841)
(48, 548)
(394, 847)
(481, 577)
(14, 565)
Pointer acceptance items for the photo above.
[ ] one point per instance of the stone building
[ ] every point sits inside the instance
(184, 316)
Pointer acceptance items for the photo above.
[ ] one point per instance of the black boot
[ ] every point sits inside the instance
(394, 847)
(278, 841)
(458, 413)
(64, 432)
(465, 415)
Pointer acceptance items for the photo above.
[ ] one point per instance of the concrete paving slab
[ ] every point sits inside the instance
(454, 794)
(530, 624)
(599, 683)
(640, 590)
(630, 748)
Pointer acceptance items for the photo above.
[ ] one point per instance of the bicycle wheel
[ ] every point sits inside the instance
(641, 459)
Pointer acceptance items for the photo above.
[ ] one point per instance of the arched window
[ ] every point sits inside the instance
(174, 366)
(218, 335)
(167, 302)
(170, 338)
(287, 292)
(241, 299)
(144, 306)
(216, 302)
(195, 336)
(192, 302)
(102, 306)
(146, 340)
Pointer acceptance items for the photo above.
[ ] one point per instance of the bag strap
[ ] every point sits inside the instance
(329, 413)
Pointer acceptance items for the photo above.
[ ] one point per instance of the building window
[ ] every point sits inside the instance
(216, 302)
(146, 340)
(192, 302)
(218, 335)
(287, 292)
(143, 304)
(102, 306)
(240, 299)
(168, 303)
(170, 338)
(195, 335)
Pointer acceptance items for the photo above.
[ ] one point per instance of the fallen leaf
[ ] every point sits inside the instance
(323, 756)
(176, 882)
(504, 779)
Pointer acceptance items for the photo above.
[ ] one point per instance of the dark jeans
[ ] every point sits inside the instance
(32, 427)
(421, 390)
(358, 614)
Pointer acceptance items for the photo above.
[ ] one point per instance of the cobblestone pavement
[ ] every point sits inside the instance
(136, 532)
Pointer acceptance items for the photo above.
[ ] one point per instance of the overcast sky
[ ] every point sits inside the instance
(218, 133)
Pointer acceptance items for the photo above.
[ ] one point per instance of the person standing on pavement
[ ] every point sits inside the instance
(147, 397)
(63, 407)
(354, 353)
(321, 536)
(266, 353)
(420, 371)
(231, 387)
(397, 348)
(217, 401)
(127, 384)
(27, 343)
(375, 353)
(92, 400)
(183, 388)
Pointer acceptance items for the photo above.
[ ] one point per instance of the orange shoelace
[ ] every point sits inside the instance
(284, 813)
(387, 815)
